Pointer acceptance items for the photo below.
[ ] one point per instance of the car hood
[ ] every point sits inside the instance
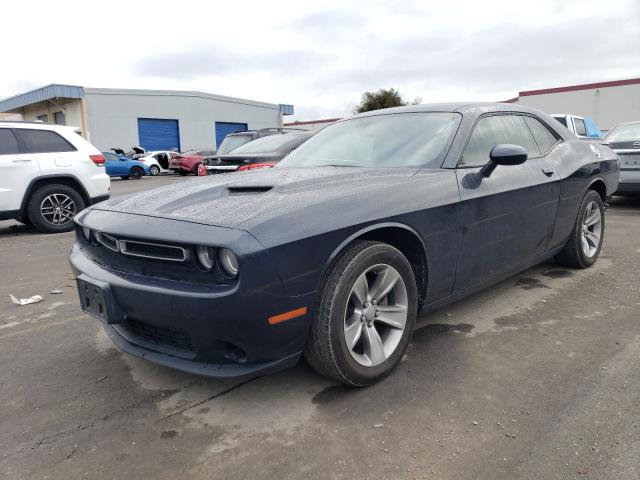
(240, 200)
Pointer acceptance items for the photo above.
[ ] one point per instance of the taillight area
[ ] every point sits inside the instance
(251, 166)
(97, 159)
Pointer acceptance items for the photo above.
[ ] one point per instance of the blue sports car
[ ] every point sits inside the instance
(124, 167)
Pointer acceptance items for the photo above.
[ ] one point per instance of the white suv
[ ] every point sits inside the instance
(48, 173)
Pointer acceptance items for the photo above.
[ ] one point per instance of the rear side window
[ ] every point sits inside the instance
(580, 128)
(496, 129)
(43, 141)
(8, 142)
(562, 120)
(544, 138)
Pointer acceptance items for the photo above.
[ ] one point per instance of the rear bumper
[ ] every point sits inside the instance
(629, 182)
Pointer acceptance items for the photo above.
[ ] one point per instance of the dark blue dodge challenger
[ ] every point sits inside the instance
(333, 253)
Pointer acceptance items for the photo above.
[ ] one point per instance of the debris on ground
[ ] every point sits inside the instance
(26, 301)
(56, 291)
(378, 425)
(101, 379)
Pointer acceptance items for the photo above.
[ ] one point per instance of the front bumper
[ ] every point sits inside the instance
(214, 330)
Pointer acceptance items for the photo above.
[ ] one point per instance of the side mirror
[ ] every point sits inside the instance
(504, 154)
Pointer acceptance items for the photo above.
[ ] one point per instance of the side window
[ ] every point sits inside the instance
(544, 138)
(43, 141)
(8, 142)
(580, 128)
(495, 129)
(110, 157)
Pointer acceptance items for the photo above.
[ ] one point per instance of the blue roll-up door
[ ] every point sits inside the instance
(158, 134)
(225, 128)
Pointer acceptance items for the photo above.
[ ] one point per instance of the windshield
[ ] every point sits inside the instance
(231, 142)
(269, 144)
(392, 140)
(624, 133)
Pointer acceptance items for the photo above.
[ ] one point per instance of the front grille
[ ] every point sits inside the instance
(153, 250)
(163, 338)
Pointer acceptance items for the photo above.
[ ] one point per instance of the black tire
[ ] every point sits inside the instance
(136, 173)
(125, 177)
(41, 198)
(573, 255)
(195, 169)
(326, 350)
(182, 173)
(154, 170)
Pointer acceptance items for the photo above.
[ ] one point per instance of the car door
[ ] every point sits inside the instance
(17, 169)
(53, 152)
(111, 163)
(507, 218)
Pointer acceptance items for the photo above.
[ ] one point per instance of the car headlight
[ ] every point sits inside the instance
(229, 262)
(86, 233)
(206, 257)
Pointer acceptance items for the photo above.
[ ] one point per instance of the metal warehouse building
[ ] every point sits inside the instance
(607, 103)
(152, 119)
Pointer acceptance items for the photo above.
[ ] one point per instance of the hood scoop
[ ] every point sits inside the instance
(249, 190)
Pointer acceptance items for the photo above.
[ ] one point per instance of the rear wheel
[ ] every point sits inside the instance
(195, 169)
(584, 245)
(51, 208)
(136, 173)
(365, 315)
(154, 170)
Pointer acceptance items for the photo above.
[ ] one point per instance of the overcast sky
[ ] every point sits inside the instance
(320, 56)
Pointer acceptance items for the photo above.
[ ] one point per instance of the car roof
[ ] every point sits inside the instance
(454, 107)
(35, 125)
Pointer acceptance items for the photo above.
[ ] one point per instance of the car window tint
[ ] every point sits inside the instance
(110, 157)
(580, 128)
(544, 138)
(496, 129)
(43, 141)
(8, 142)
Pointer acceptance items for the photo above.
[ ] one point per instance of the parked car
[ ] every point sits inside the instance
(260, 153)
(124, 167)
(332, 253)
(625, 141)
(158, 160)
(49, 173)
(188, 162)
(239, 138)
(581, 126)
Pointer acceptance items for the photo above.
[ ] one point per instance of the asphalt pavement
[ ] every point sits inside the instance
(535, 378)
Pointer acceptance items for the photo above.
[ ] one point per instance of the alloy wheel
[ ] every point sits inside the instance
(591, 229)
(58, 209)
(376, 315)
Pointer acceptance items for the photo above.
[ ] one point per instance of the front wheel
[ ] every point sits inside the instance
(365, 315)
(154, 170)
(584, 244)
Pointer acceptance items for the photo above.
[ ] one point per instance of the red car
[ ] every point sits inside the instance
(188, 162)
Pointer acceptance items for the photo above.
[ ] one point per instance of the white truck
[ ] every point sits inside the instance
(583, 127)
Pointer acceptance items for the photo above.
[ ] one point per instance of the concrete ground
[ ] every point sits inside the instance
(535, 378)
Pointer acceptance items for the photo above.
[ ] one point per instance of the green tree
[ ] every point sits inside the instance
(381, 99)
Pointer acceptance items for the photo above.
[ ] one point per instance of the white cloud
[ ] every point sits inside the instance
(321, 56)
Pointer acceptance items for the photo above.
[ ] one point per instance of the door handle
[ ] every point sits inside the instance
(548, 171)
(21, 160)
